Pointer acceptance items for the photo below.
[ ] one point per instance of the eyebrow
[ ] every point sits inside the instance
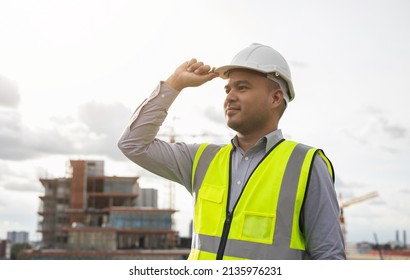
(237, 83)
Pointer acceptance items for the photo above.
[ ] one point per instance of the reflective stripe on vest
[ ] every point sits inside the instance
(265, 220)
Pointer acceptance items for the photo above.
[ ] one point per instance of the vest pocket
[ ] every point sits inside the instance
(258, 227)
(209, 208)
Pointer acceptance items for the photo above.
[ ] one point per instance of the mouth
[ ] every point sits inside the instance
(231, 110)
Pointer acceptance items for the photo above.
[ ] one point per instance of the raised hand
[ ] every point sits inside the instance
(191, 73)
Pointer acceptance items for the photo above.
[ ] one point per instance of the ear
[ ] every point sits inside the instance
(277, 97)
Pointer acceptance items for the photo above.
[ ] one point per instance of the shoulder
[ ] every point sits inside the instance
(209, 149)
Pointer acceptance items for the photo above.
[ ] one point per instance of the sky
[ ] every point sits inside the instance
(72, 73)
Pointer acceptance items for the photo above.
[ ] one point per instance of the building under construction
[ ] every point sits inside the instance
(91, 216)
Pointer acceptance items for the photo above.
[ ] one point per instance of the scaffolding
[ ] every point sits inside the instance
(88, 212)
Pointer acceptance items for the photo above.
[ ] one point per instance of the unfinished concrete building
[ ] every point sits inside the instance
(91, 216)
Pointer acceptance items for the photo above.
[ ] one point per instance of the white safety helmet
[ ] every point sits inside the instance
(266, 60)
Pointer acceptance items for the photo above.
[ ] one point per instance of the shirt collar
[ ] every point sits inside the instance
(267, 141)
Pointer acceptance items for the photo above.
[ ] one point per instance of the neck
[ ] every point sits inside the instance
(247, 141)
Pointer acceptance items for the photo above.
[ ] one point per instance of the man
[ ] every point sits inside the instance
(259, 197)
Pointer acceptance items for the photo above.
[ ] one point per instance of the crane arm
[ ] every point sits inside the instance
(355, 200)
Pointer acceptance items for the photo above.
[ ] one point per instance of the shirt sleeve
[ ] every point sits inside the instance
(138, 142)
(321, 216)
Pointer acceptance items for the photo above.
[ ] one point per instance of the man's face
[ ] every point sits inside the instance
(248, 102)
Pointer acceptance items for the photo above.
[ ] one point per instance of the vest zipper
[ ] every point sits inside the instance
(224, 237)
(228, 219)
(229, 214)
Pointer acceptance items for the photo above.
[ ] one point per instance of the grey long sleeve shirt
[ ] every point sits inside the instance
(173, 161)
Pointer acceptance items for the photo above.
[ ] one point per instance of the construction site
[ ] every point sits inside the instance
(394, 250)
(87, 215)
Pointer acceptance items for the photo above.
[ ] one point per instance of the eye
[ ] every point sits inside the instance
(242, 88)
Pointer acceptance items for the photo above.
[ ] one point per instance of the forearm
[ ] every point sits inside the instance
(139, 143)
(148, 118)
(146, 121)
(172, 161)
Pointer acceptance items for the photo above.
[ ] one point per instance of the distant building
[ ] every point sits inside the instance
(91, 216)
(148, 198)
(5, 249)
(18, 237)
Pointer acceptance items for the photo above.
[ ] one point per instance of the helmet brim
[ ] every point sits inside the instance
(223, 70)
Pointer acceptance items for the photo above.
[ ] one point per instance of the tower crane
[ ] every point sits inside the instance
(172, 136)
(354, 200)
(172, 139)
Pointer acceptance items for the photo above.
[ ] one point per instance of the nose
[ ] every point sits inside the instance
(230, 98)
(231, 95)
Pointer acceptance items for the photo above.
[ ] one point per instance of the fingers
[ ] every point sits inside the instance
(190, 64)
(198, 67)
(191, 73)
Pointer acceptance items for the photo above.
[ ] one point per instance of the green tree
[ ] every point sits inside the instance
(16, 250)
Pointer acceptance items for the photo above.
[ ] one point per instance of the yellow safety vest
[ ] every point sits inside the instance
(264, 223)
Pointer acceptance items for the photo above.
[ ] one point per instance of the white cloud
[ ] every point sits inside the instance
(9, 96)
(95, 131)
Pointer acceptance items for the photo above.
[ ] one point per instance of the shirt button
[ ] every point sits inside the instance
(246, 158)
(239, 182)
(162, 95)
